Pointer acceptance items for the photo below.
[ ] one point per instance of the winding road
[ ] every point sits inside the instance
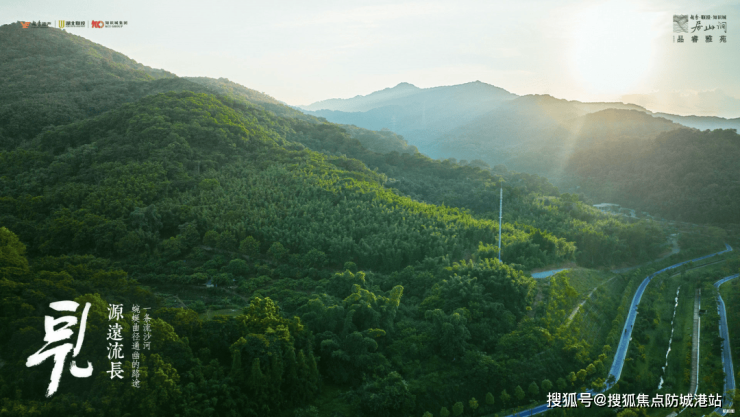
(726, 352)
(624, 342)
(621, 354)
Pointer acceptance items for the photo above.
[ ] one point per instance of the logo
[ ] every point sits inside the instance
(61, 24)
(97, 24)
(680, 23)
(35, 25)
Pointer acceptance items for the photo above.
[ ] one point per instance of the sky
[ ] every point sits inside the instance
(305, 51)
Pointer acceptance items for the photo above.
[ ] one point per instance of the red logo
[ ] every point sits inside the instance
(25, 24)
(97, 24)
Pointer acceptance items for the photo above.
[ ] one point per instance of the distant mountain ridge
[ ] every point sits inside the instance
(703, 122)
(713, 103)
(579, 147)
(406, 94)
(418, 114)
(481, 121)
(364, 103)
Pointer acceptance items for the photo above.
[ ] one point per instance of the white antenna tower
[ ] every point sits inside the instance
(500, 216)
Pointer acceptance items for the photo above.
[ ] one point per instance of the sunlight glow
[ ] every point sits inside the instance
(612, 47)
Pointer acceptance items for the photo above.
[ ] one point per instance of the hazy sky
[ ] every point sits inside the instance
(305, 51)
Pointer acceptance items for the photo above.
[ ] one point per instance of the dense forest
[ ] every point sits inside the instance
(360, 276)
(52, 78)
(611, 152)
(145, 191)
(686, 174)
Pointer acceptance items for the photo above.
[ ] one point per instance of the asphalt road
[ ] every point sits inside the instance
(624, 342)
(726, 352)
(545, 274)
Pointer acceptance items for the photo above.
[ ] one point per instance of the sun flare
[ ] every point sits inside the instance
(612, 48)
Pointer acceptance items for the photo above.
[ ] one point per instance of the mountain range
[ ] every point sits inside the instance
(714, 103)
(481, 121)
(477, 123)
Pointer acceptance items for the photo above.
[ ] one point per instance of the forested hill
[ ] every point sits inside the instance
(187, 151)
(47, 77)
(51, 77)
(548, 150)
(108, 79)
(413, 175)
(151, 184)
(342, 269)
(178, 189)
(532, 127)
(538, 134)
(683, 174)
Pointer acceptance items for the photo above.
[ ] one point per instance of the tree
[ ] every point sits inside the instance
(599, 364)
(249, 246)
(533, 390)
(238, 267)
(428, 414)
(12, 251)
(386, 396)
(189, 234)
(450, 332)
(163, 391)
(581, 374)
(489, 399)
(222, 280)
(590, 369)
(172, 247)
(209, 184)
(572, 377)
(458, 409)
(546, 385)
(211, 238)
(598, 384)
(226, 241)
(198, 306)
(444, 412)
(561, 384)
(519, 393)
(257, 384)
(277, 252)
(473, 403)
(350, 266)
(505, 397)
